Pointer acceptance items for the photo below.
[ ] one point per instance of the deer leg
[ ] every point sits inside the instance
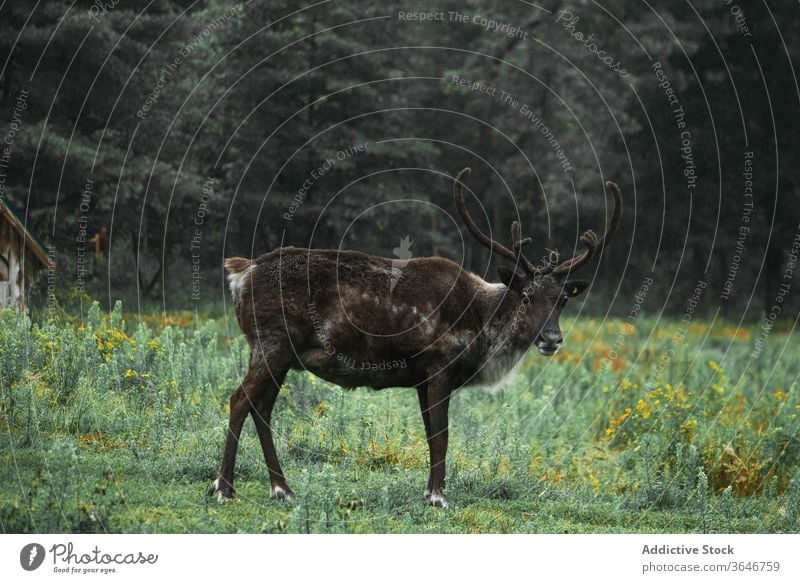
(422, 394)
(438, 401)
(240, 407)
(262, 415)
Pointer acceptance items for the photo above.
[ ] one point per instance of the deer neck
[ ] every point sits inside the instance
(498, 306)
(506, 346)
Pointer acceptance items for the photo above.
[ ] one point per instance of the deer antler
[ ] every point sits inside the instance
(517, 242)
(589, 238)
(593, 244)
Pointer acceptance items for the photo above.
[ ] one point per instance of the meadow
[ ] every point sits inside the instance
(115, 423)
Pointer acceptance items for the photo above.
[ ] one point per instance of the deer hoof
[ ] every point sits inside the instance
(436, 500)
(224, 498)
(281, 493)
(224, 493)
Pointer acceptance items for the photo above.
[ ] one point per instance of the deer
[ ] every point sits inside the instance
(321, 310)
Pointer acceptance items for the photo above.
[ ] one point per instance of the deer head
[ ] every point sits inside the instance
(540, 292)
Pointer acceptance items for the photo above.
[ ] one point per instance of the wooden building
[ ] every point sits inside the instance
(21, 258)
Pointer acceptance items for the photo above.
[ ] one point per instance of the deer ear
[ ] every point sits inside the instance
(512, 278)
(575, 288)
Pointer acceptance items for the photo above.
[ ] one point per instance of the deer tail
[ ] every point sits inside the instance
(238, 269)
(235, 265)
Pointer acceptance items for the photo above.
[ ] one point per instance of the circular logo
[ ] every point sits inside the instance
(31, 556)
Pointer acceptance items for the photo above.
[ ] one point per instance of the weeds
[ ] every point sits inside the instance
(109, 426)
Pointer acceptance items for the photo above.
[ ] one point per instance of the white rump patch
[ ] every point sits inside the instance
(237, 281)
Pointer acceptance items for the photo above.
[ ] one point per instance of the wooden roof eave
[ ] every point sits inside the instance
(30, 243)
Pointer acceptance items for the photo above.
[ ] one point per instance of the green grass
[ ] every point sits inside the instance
(114, 426)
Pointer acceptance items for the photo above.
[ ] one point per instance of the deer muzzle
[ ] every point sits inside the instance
(548, 342)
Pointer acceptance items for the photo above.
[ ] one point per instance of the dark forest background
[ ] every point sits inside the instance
(260, 95)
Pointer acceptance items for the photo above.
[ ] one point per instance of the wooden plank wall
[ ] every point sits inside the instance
(17, 273)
